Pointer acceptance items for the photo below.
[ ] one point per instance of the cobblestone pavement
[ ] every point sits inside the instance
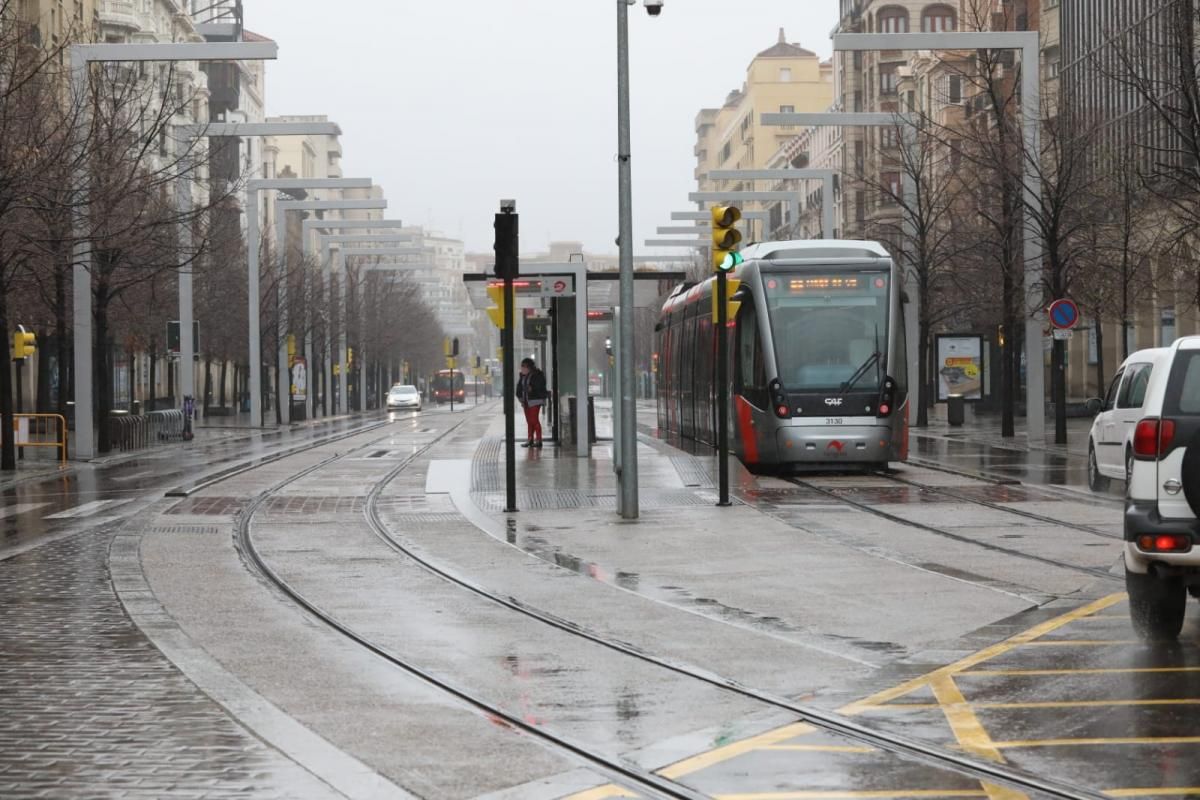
(89, 708)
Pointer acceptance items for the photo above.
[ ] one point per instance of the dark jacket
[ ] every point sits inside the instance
(532, 386)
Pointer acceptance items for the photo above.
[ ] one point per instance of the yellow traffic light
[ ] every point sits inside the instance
(725, 238)
(349, 357)
(496, 312)
(731, 305)
(24, 344)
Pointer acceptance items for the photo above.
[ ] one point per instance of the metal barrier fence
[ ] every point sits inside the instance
(138, 431)
(41, 430)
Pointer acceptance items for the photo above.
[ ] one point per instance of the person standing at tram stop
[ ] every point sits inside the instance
(531, 391)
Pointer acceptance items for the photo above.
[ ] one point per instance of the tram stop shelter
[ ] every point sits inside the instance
(560, 291)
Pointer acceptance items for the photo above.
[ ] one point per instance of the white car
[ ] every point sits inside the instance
(1110, 444)
(1162, 501)
(403, 398)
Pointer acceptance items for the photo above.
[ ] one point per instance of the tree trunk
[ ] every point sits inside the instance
(61, 344)
(923, 372)
(170, 384)
(1099, 357)
(1009, 355)
(42, 396)
(152, 389)
(224, 377)
(207, 385)
(8, 450)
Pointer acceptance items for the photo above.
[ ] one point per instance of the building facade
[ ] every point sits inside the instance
(784, 78)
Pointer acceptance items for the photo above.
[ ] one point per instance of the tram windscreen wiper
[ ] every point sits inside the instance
(872, 360)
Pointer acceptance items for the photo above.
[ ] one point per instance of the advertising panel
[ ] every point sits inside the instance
(960, 367)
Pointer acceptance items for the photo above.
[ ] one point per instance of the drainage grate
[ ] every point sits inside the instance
(566, 499)
(187, 530)
(208, 506)
(692, 472)
(427, 518)
(314, 505)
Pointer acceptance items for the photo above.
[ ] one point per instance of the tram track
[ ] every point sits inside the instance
(995, 548)
(614, 769)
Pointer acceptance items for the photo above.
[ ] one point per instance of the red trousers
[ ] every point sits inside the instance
(533, 421)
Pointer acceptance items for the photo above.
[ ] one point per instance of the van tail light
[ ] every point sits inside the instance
(1153, 437)
(1164, 543)
(887, 398)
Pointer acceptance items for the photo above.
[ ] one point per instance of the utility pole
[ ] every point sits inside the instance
(725, 239)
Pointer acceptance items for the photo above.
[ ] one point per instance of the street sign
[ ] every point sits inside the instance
(558, 286)
(1063, 333)
(1064, 314)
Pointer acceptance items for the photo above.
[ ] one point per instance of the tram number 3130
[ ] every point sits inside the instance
(833, 421)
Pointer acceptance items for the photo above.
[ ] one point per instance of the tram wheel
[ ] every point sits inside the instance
(1156, 605)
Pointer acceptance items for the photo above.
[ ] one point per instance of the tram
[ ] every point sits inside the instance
(449, 385)
(818, 361)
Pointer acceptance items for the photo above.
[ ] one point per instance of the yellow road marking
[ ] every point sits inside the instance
(1095, 742)
(986, 654)
(602, 792)
(899, 794)
(1079, 642)
(819, 748)
(969, 732)
(1165, 791)
(696, 763)
(1089, 703)
(1023, 673)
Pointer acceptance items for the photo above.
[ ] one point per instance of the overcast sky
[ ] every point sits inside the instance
(451, 105)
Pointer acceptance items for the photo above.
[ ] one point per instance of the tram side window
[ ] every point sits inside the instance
(751, 371)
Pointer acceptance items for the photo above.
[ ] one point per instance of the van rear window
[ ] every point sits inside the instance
(1183, 389)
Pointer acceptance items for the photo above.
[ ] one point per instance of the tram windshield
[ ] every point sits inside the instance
(830, 329)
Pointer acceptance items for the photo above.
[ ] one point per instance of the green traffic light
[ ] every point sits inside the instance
(731, 261)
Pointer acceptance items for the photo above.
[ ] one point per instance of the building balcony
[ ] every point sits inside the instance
(120, 14)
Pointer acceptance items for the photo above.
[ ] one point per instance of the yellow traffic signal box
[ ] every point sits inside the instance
(725, 238)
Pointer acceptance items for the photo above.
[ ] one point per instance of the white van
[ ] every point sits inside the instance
(1110, 444)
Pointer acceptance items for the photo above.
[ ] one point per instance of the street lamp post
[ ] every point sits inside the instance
(1029, 44)
(628, 476)
(326, 243)
(82, 56)
(252, 268)
(876, 120)
(281, 209)
(362, 252)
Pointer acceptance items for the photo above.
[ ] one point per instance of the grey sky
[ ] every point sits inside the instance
(453, 104)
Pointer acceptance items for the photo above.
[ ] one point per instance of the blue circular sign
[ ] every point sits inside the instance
(1064, 314)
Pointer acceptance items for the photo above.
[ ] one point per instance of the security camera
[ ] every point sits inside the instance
(654, 7)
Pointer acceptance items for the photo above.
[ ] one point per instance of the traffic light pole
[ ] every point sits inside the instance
(508, 266)
(722, 389)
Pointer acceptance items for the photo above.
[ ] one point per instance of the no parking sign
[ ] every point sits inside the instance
(1064, 314)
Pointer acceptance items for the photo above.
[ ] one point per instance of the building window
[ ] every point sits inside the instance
(1052, 67)
(892, 187)
(787, 109)
(1166, 318)
(785, 75)
(889, 137)
(726, 152)
(889, 79)
(893, 20)
(938, 19)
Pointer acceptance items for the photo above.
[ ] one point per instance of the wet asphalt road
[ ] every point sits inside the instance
(92, 494)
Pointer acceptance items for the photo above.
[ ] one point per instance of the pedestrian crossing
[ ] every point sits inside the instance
(82, 511)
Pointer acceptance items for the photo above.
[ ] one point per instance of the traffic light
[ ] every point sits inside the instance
(454, 347)
(725, 238)
(496, 311)
(450, 347)
(349, 357)
(478, 362)
(731, 305)
(24, 344)
(507, 245)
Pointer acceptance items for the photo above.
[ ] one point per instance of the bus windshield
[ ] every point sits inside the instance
(830, 329)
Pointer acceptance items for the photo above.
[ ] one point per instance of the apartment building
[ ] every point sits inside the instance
(784, 78)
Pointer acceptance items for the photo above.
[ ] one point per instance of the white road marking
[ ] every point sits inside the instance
(20, 508)
(85, 510)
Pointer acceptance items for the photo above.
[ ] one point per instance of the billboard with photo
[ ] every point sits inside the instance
(959, 367)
